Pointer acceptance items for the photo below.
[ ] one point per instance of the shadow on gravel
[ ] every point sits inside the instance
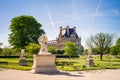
(60, 73)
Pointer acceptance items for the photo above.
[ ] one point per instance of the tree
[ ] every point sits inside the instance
(24, 30)
(1, 44)
(118, 46)
(51, 49)
(32, 48)
(89, 42)
(70, 49)
(90, 45)
(118, 42)
(115, 50)
(102, 41)
(60, 52)
(81, 49)
(85, 51)
(0, 47)
(7, 51)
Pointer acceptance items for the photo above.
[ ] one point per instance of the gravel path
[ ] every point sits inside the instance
(111, 74)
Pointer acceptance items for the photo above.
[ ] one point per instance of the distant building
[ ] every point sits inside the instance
(65, 35)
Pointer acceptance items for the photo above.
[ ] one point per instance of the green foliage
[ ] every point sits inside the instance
(16, 51)
(60, 52)
(32, 48)
(85, 51)
(0, 51)
(70, 49)
(81, 49)
(115, 50)
(89, 42)
(0, 48)
(76, 64)
(102, 42)
(118, 42)
(7, 51)
(51, 49)
(1, 44)
(24, 30)
(12, 63)
(95, 51)
(80, 64)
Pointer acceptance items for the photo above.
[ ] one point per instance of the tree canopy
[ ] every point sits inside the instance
(118, 42)
(51, 49)
(102, 41)
(89, 42)
(32, 48)
(24, 30)
(70, 49)
(115, 50)
(81, 49)
(1, 44)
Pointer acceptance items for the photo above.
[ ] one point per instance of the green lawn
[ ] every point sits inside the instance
(66, 64)
(12, 63)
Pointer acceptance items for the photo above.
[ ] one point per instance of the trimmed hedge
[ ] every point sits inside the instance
(62, 56)
(9, 56)
(57, 56)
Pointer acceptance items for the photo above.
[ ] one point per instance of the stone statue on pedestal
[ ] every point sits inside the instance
(89, 59)
(43, 42)
(22, 60)
(44, 61)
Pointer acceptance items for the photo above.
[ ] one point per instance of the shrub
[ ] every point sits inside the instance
(32, 48)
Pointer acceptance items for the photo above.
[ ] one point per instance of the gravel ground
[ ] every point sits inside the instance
(110, 74)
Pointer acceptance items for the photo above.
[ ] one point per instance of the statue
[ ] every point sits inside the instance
(43, 42)
(89, 59)
(44, 61)
(22, 60)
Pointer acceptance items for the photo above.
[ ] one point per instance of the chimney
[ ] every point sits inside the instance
(60, 31)
(68, 30)
(74, 28)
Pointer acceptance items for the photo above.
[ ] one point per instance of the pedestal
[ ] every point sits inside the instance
(43, 63)
(22, 59)
(22, 62)
(89, 60)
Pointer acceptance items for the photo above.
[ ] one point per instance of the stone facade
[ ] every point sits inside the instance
(65, 35)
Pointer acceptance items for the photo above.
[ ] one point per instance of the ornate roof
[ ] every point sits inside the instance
(67, 32)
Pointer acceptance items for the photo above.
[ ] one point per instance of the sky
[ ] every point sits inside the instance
(88, 16)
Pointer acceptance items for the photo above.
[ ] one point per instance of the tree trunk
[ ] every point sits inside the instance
(101, 55)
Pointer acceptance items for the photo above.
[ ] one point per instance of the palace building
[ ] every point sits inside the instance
(65, 35)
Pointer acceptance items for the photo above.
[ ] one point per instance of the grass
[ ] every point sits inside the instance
(75, 64)
(12, 63)
(80, 64)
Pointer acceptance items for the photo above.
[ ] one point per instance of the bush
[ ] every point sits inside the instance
(113, 51)
(70, 49)
(9, 56)
(51, 49)
(64, 56)
(32, 48)
(7, 51)
(60, 52)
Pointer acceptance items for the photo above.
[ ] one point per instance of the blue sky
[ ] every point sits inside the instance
(89, 16)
